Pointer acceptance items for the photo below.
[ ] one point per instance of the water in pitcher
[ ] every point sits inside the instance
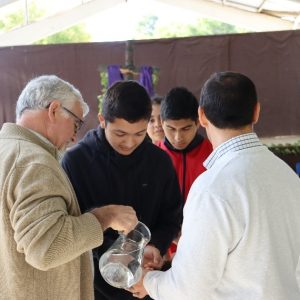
(120, 270)
(120, 265)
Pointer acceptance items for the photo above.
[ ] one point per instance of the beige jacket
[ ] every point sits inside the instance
(44, 239)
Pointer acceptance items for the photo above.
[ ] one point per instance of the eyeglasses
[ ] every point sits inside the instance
(78, 122)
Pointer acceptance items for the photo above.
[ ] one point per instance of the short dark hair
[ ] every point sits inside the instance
(179, 103)
(126, 100)
(228, 100)
(156, 100)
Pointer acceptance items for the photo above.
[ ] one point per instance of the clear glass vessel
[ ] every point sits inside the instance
(120, 265)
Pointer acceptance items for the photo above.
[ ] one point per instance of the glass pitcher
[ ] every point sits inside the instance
(120, 265)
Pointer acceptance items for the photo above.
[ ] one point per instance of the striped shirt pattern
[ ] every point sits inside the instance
(244, 141)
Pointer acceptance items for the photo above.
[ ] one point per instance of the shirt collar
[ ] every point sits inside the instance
(244, 141)
(58, 153)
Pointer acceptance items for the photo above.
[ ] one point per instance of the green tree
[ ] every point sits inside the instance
(146, 27)
(177, 29)
(17, 18)
(213, 27)
(73, 34)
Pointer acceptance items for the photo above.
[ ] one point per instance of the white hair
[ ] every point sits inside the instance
(42, 90)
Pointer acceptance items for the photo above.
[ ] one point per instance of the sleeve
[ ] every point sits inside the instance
(210, 231)
(298, 273)
(170, 214)
(45, 220)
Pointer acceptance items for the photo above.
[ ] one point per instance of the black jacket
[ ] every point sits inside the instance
(145, 180)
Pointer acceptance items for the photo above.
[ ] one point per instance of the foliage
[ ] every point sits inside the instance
(73, 34)
(104, 85)
(149, 27)
(17, 18)
(213, 27)
(155, 77)
(284, 149)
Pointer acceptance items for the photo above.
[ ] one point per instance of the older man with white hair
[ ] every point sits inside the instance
(44, 238)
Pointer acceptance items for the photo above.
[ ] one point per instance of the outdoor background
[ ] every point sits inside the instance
(183, 47)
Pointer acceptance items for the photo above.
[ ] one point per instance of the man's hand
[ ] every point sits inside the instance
(152, 258)
(118, 217)
(138, 289)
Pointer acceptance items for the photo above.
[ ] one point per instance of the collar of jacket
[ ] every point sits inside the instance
(14, 131)
(198, 139)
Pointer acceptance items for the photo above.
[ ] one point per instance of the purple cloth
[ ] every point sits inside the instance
(114, 74)
(146, 79)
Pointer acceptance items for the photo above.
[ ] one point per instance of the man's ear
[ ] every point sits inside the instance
(53, 109)
(101, 120)
(256, 113)
(202, 117)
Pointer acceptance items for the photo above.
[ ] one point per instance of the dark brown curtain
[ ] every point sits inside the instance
(269, 59)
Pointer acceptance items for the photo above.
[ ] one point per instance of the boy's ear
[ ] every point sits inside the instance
(202, 117)
(256, 113)
(101, 120)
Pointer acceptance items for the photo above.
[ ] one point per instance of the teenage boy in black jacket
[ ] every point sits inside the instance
(116, 164)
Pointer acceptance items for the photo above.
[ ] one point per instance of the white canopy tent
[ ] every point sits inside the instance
(256, 15)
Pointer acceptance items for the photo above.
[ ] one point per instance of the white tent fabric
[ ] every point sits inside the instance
(256, 15)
